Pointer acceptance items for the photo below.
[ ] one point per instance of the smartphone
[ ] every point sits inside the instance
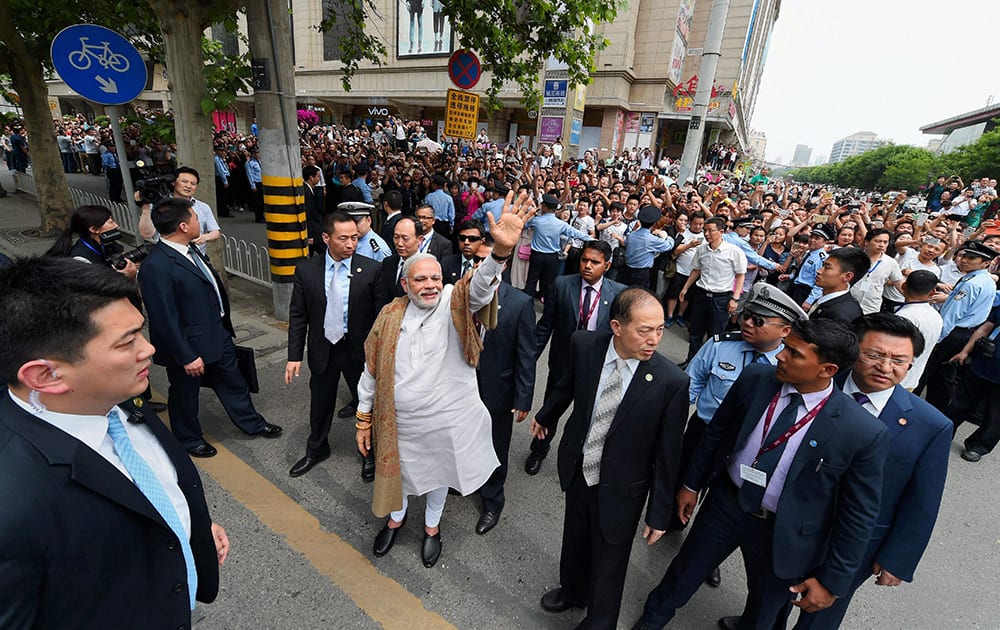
(821, 218)
(968, 232)
(921, 218)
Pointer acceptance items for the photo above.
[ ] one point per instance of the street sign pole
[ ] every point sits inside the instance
(115, 113)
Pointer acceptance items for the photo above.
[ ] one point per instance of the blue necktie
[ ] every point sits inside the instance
(149, 485)
(751, 495)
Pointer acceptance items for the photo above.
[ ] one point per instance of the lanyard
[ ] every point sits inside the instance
(593, 305)
(806, 419)
(86, 242)
(872, 270)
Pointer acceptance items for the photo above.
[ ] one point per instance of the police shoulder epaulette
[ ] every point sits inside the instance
(732, 335)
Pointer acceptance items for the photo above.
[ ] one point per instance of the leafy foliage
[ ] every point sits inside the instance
(905, 167)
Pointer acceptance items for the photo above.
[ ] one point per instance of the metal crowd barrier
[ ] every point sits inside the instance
(245, 260)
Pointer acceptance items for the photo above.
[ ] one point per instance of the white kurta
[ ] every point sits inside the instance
(445, 431)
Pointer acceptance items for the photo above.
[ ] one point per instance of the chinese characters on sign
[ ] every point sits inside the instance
(551, 129)
(555, 93)
(685, 91)
(461, 114)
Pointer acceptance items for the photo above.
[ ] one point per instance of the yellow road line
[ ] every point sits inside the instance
(381, 598)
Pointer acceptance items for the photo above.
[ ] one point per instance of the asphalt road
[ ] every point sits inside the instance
(301, 548)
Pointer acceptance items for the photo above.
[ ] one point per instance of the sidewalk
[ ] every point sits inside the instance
(251, 304)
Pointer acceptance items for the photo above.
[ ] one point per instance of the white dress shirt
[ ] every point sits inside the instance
(876, 400)
(631, 365)
(595, 302)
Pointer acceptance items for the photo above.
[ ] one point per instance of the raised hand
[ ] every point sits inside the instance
(506, 232)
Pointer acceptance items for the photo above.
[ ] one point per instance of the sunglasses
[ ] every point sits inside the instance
(757, 320)
(469, 239)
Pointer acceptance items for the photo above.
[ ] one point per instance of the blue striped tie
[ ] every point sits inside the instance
(150, 486)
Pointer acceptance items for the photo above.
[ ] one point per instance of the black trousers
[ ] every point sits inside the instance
(228, 384)
(492, 490)
(831, 618)
(541, 268)
(257, 203)
(719, 529)
(941, 377)
(633, 277)
(707, 314)
(799, 292)
(591, 570)
(542, 447)
(115, 184)
(323, 393)
(573, 261)
(221, 198)
(971, 392)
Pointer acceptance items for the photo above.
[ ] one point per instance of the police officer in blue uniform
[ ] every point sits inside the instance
(494, 206)
(764, 325)
(967, 307)
(740, 237)
(641, 247)
(804, 290)
(370, 244)
(544, 263)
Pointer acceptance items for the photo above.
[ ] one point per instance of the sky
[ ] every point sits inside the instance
(835, 67)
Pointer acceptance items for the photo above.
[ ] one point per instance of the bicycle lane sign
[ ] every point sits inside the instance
(98, 64)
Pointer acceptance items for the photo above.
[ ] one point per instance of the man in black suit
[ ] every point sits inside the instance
(313, 206)
(621, 442)
(406, 239)
(84, 545)
(794, 471)
(582, 297)
(843, 268)
(506, 384)
(470, 236)
(392, 204)
(434, 243)
(335, 331)
(189, 324)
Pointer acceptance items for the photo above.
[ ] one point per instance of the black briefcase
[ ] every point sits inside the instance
(247, 365)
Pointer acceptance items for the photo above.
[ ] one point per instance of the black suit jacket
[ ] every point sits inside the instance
(388, 228)
(507, 365)
(830, 500)
(183, 310)
(307, 309)
(313, 208)
(391, 288)
(451, 270)
(82, 547)
(844, 308)
(561, 315)
(439, 246)
(643, 445)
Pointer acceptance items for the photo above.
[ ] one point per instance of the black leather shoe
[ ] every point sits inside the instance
(368, 468)
(430, 551)
(156, 407)
(971, 455)
(487, 522)
(203, 450)
(534, 463)
(305, 464)
(714, 578)
(729, 623)
(385, 538)
(555, 601)
(347, 411)
(269, 431)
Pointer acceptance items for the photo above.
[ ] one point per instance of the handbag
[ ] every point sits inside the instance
(524, 252)
(670, 269)
(247, 365)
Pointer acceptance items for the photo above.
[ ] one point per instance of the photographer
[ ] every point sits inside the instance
(186, 181)
(88, 223)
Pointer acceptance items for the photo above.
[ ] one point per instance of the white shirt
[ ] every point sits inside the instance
(719, 267)
(928, 321)
(868, 290)
(876, 400)
(595, 301)
(909, 261)
(584, 224)
(686, 258)
(92, 431)
(205, 219)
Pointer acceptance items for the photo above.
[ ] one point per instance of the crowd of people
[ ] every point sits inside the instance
(815, 318)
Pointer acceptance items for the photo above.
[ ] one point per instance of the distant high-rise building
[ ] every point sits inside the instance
(758, 145)
(817, 160)
(802, 155)
(855, 144)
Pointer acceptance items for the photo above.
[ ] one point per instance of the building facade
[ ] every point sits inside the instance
(640, 95)
(802, 155)
(855, 144)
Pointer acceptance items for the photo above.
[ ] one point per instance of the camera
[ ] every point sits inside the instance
(986, 347)
(115, 255)
(152, 187)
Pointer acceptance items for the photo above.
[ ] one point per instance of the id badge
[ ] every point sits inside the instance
(752, 475)
(865, 286)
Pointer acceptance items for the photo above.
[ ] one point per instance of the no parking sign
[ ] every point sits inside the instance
(463, 69)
